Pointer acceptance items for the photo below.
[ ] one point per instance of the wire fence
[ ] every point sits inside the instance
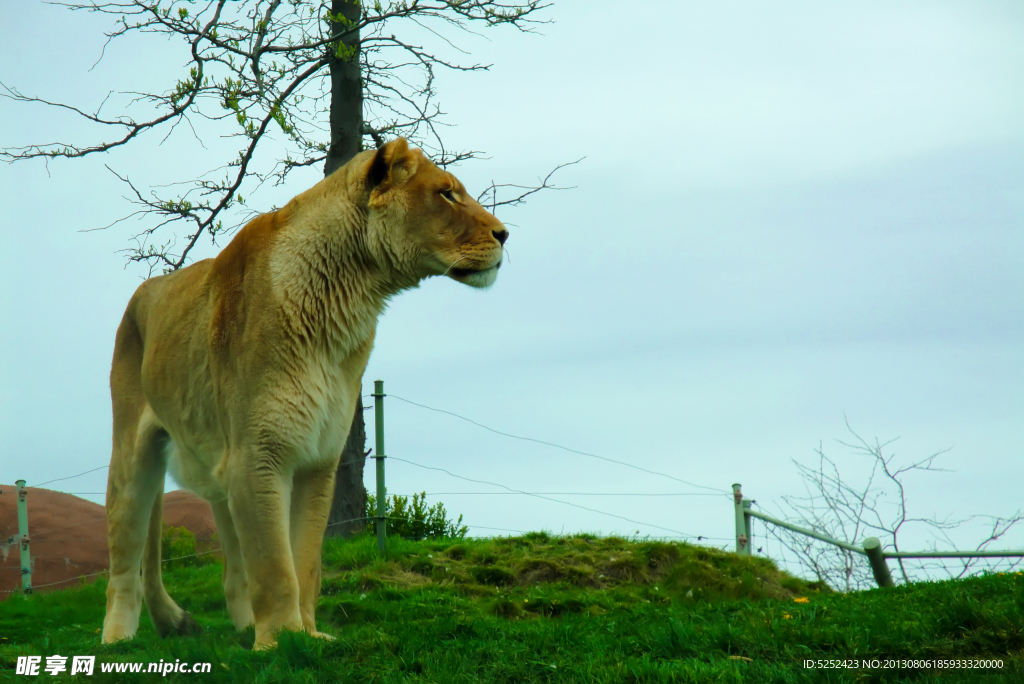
(667, 532)
(718, 490)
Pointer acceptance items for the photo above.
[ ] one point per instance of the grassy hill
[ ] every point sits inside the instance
(552, 609)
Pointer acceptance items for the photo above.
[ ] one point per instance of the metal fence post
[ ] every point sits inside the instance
(873, 550)
(742, 524)
(748, 522)
(382, 492)
(26, 557)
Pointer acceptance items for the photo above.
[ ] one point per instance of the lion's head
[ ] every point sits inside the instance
(427, 222)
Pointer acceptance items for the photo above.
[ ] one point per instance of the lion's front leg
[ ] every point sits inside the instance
(259, 498)
(312, 494)
(236, 587)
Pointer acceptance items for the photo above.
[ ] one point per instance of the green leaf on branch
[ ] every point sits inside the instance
(346, 52)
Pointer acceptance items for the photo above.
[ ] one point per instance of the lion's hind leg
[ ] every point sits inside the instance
(134, 485)
(168, 618)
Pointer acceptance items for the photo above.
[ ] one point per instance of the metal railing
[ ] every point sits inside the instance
(871, 547)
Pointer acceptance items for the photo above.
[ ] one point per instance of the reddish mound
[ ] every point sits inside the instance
(185, 509)
(68, 535)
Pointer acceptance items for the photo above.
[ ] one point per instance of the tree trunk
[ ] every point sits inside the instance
(346, 90)
(349, 504)
(346, 141)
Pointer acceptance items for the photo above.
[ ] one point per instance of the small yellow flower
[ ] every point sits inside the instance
(786, 616)
(801, 599)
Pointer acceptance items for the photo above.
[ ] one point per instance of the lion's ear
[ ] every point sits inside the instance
(392, 165)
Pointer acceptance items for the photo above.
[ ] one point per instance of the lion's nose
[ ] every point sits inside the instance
(500, 235)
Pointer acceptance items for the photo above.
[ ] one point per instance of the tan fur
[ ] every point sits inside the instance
(241, 375)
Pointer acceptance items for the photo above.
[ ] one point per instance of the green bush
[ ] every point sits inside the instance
(178, 548)
(413, 519)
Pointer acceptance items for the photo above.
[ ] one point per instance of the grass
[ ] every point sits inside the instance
(551, 609)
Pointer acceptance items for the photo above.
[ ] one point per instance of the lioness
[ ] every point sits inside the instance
(241, 373)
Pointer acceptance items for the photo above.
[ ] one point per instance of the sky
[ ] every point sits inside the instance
(788, 220)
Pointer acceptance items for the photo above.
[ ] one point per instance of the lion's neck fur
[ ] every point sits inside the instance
(332, 274)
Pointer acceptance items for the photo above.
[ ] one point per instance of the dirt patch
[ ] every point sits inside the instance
(537, 570)
(394, 575)
(624, 568)
(68, 535)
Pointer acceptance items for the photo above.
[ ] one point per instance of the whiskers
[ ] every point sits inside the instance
(455, 258)
(446, 255)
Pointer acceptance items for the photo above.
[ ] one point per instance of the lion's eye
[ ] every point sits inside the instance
(447, 194)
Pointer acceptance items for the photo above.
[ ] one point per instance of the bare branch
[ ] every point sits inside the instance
(489, 197)
(833, 506)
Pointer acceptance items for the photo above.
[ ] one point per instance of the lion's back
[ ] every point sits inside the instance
(171, 295)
